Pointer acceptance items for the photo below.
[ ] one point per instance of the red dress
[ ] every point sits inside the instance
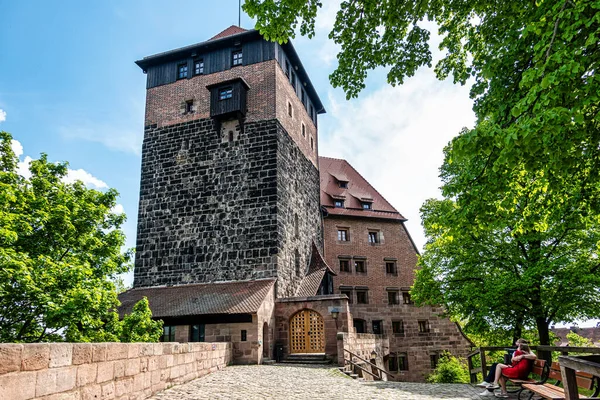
(520, 369)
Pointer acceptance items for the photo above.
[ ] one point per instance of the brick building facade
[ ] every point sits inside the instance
(233, 243)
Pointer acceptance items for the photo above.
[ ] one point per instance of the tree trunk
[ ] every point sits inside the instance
(544, 334)
(518, 331)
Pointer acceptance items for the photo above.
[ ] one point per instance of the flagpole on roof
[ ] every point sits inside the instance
(240, 13)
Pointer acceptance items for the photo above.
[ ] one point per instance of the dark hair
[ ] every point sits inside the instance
(525, 348)
(523, 341)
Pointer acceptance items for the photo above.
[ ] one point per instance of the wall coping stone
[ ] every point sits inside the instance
(324, 297)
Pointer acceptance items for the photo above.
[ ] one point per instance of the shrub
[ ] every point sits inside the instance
(450, 369)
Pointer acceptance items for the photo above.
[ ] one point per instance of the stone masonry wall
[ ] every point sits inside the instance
(82, 371)
(374, 348)
(214, 210)
(395, 245)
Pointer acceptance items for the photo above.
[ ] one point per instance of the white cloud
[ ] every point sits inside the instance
(17, 147)
(394, 136)
(123, 139)
(88, 179)
(118, 209)
(23, 167)
(2, 115)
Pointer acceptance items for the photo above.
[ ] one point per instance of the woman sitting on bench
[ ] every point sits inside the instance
(522, 361)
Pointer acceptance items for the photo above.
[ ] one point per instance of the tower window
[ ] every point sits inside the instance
(236, 58)
(344, 266)
(189, 106)
(312, 144)
(198, 67)
(244, 335)
(226, 93)
(342, 235)
(339, 203)
(230, 136)
(398, 327)
(290, 110)
(297, 262)
(303, 130)
(393, 297)
(182, 71)
(362, 297)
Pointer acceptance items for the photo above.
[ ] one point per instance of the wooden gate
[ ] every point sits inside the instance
(307, 333)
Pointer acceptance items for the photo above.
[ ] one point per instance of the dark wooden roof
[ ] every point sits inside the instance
(316, 271)
(241, 297)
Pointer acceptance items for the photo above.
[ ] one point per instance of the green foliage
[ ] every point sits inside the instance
(450, 369)
(60, 249)
(504, 252)
(576, 340)
(139, 326)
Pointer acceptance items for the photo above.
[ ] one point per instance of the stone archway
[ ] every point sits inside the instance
(307, 332)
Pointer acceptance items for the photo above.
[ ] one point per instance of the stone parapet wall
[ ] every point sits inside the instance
(82, 371)
(363, 345)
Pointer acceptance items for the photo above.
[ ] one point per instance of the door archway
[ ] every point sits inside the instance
(307, 332)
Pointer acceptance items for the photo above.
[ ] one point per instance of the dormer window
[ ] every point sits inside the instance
(198, 67)
(236, 58)
(343, 184)
(226, 93)
(366, 206)
(182, 71)
(339, 203)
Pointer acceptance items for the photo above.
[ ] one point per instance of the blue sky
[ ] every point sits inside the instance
(69, 88)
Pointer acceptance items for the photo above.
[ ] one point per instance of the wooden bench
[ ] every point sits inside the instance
(539, 368)
(555, 392)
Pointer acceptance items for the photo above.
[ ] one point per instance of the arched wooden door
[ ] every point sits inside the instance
(307, 332)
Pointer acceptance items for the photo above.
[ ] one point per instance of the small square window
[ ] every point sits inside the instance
(423, 326)
(390, 268)
(378, 327)
(343, 184)
(236, 58)
(393, 297)
(342, 235)
(373, 237)
(312, 144)
(198, 67)
(290, 110)
(366, 206)
(244, 335)
(182, 71)
(359, 266)
(362, 297)
(398, 327)
(344, 265)
(347, 292)
(434, 360)
(360, 325)
(406, 298)
(303, 130)
(189, 106)
(226, 93)
(168, 334)
(402, 362)
(338, 203)
(392, 363)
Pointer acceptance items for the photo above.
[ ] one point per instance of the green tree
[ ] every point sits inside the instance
(511, 258)
(450, 369)
(576, 340)
(139, 326)
(60, 250)
(534, 67)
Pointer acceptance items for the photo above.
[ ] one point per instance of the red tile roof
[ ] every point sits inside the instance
(232, 30)
(592, 334)
(242, 297)
(316, 271)
(333, 171)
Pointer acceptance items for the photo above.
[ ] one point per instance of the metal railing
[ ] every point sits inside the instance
(378, 375)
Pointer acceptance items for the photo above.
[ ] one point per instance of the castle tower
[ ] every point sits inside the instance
(230, 181)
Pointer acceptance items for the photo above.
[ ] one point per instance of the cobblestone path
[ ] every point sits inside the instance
(307, 382)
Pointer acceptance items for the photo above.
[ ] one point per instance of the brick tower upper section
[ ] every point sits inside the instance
(230, 181)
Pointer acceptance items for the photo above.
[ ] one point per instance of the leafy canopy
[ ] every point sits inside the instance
(60, 250)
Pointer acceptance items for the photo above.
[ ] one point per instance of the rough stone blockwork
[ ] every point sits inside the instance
(82, 371)
(214, 210)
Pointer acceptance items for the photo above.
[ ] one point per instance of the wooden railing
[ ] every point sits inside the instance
(377, 376)
(570, 365)
(483, 368)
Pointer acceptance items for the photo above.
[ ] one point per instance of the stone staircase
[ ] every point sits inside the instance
(347, 370)
(315, 358)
